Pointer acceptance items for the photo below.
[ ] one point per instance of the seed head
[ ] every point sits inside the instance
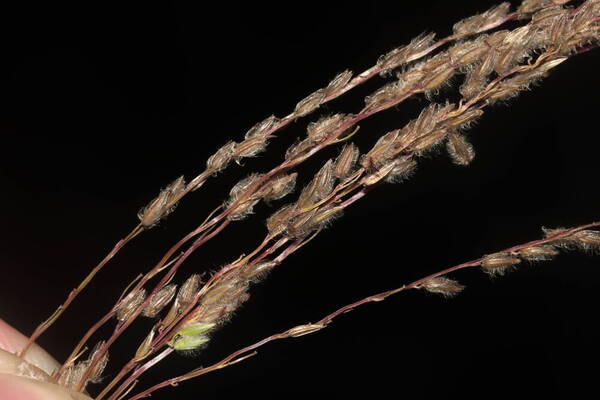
(279, 187)
(460, 150)
(159, 301)
(221, 159)
(129, 304)
(309, 103)
(345, 162)
(499, 263)
(442, 285)
(472, 25)
(163, 205)
(337, 84)
(188, 290)
(538, 253)
(262, 128)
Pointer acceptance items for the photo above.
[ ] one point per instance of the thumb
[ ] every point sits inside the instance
(28, 378)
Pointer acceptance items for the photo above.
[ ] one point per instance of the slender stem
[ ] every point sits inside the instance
(298, 330)
(125, 324)
(41, 328)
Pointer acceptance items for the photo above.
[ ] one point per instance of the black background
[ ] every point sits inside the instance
(103, 104)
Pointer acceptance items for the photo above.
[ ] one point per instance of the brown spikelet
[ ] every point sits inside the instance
(320, 186)
(278, 221)
(129, 304)
(173, 313)
(538, 253)
(587, 239)
(468, 52)
(95, 375)
(299, 147)
(144, 349)
(221, 159)
(464, 120)
(401, 170)
(401, 55)
(546, 16)
(337, 84)
(460, 150)
(529, 6)
(325, 127)
(382, 151)
(262, 128)
(345, 162)
(437, 76)
(427, 142)
(499, 263)
(309, 103)
(159, 301)
(279, 187)
(390, 92)
(250, 147)
(379, 174)
(245, 207)
(442, 285)
(254, 272)
(302, 330)
(472, 25)
(188, 290)
(162, 205)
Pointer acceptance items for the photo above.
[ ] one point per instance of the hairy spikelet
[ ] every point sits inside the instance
(442, 285)
(337, 84)
(499, 263)
(245, 206)
(129, 304)
(538, 253)
(345, 162)
(309, 103)
(401, 55)
(262, 128)
(159, 301)
(221, 159)
(460, 150)
(279, 187)
(472, 25)
(188, 290)
(163, 205)
(325, 126)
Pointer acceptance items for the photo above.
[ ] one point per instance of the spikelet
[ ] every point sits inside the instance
(159, 301)
(388, 93)
(345, 162)
(278, 221)
(188, 290)
(95, 375)
(279, 187)
(441, 285)
(499, 263)
(298, 148)
(325, 126)
(244, 208)
(173, 313)
(401, 55)
(587, 239)
(464, 120)
(382, 151)
(427, 142)
(250, 147)
(467, 52)
(129, 304)
(337, 84)
(472, 25)
(302, 330)
(538, 253)
(221, 159)
(460, 150)
(262, 128)
(402, 169)
(529, 6)
(256, 272)
(144, 349)
(162, 205)
(309, 103)
(320, 186)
